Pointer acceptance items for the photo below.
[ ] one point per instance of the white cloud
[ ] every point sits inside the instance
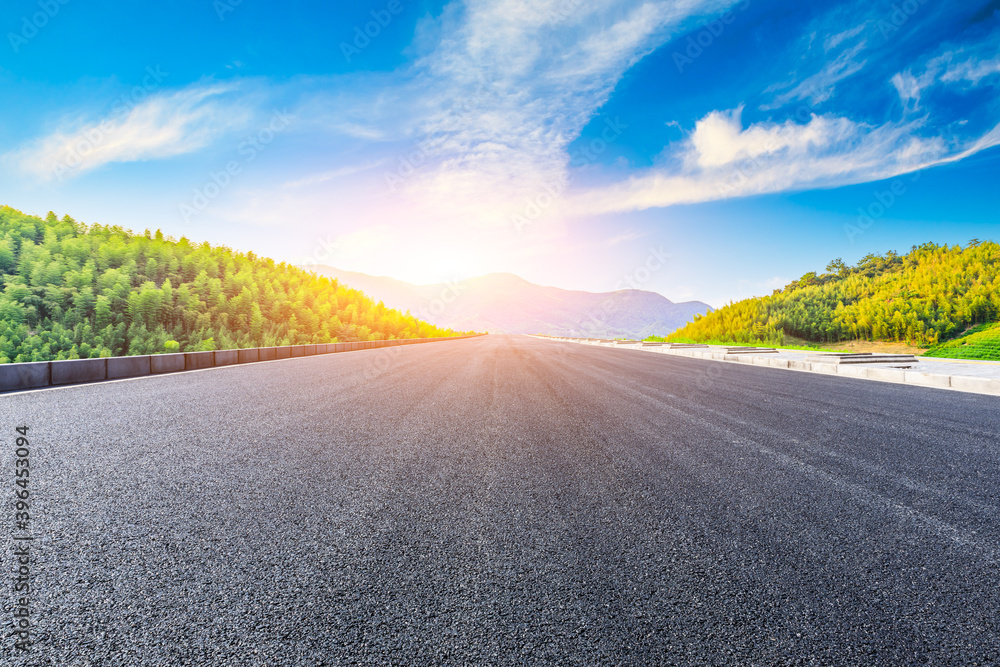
(834, 40)
(972, 71)
(908, 87)
(719, 138)
(820, 87)
(493, 108)
(160, 126)
(331, 175)
(722, 160)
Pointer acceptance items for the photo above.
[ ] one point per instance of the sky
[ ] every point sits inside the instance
(702, 149)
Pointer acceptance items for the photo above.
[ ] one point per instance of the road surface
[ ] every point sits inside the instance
(508, 500)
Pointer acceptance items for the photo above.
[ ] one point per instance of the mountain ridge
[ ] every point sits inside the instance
(507, 303)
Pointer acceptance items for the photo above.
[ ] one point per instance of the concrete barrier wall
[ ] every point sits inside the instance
(166, 363)
(227, 357)
(128, 367)
(78, 370)
(27, 375)
(194, 360)
(32, 375)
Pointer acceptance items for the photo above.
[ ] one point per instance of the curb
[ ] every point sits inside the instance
(964, 383)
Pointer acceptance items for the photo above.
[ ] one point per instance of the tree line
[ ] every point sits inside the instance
(72, 291)
(924, 297)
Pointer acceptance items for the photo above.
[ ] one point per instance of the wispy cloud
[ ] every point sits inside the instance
(493, 108)
(161, 126)
(819, 87)
(331, 175)
(722, 159)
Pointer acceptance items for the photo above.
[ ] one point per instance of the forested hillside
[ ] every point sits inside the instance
(925, 297)
(75, 291)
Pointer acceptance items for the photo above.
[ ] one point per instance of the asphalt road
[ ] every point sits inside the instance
(507, 500)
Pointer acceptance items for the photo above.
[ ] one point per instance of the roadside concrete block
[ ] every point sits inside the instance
(927, 379)
(267, 353)
(79, 370)
(340, 347)
(761, 361)
(26, 375)
(227, 357)
(777, 363)
(886, 374)
(128, 367)
(976, 384)
(852, 371)
(298, 350)
(829, 369)
(284, 352)
(166, 363)
(308, 350)
(193, 360)
(248, 356)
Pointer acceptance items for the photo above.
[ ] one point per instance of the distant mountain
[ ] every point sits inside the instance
(505, 303)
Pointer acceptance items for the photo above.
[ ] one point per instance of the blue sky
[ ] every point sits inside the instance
(565, 141)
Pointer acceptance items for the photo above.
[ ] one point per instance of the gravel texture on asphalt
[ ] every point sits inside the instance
(508, 500)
